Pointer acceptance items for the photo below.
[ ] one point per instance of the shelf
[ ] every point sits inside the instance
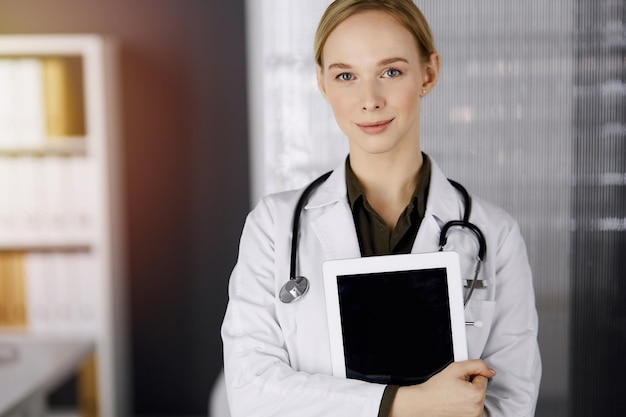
(34, 246)
(39, 364)
(70, 146)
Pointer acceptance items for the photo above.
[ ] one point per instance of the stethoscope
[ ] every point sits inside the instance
(297, 286)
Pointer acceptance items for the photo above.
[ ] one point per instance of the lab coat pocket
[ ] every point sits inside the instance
(479, 316)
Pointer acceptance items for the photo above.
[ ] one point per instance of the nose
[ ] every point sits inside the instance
(371, 97)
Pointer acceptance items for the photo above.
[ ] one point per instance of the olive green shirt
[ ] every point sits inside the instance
(374, 236)
(372, 231)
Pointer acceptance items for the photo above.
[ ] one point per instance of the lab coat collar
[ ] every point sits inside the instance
(335, 228)
(333, 190)
(443, 205)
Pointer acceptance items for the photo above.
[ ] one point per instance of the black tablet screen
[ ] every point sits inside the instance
(396, 325)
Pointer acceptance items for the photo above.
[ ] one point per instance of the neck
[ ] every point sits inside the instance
(387, 180)
(387, 173)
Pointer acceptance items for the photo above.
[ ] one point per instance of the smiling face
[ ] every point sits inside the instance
(373, 78)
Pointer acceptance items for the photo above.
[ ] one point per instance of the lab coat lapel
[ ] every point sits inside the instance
(334, 228)
(443, 205)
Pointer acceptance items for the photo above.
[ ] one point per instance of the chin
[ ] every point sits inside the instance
(375, 144)
(373, 149)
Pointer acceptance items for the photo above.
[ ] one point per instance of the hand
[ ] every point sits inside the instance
(458, 390)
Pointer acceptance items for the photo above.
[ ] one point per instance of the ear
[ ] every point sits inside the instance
(319, 74)
(431, 69)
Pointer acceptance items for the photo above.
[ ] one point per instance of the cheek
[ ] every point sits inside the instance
(408, 98)
(410, 110)
(341, 105)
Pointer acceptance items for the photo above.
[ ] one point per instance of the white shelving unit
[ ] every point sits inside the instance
(60, 196)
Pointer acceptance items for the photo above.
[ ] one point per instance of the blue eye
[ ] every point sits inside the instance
(392, 73)
(344, 76)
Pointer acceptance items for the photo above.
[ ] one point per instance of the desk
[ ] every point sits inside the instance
(40, 364)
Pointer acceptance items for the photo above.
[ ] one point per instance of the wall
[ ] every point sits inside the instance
(186, 176)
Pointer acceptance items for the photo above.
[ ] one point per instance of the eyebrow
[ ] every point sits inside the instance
(382, 62)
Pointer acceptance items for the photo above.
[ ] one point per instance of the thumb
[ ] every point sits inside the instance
(480, 382)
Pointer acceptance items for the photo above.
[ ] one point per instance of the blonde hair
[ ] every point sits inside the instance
(405, 11)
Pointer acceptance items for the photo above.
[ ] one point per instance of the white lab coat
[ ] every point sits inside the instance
(276, 356)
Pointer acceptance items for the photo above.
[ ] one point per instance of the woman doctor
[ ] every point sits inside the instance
(376, 61)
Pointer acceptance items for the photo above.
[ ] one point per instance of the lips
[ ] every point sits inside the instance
(373, 128)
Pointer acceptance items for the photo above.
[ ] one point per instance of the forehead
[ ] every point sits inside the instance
(369, 36)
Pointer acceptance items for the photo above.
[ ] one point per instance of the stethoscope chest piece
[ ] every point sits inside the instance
(293, 290)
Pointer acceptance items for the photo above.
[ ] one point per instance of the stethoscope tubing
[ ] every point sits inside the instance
(297, 286)
(295, 228)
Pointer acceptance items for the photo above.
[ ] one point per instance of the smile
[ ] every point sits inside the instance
(373, 128)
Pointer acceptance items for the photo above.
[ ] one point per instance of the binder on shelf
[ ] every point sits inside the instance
(12, 291)
(42, 101)
(88, 387)
(8, 191)
(80, 186)
(26, 199)
(53, 210)
(28, 103)
(4, 292)
(9, 91)
(63, 96)
(37, 292)
(85, 286)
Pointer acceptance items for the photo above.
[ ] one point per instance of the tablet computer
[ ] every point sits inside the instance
(395, 319)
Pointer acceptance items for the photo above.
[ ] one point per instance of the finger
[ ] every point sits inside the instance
(475, 367)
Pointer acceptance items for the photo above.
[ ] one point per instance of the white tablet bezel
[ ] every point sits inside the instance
(393, 263)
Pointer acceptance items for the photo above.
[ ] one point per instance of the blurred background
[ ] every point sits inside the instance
(219, 106)
(186, 192)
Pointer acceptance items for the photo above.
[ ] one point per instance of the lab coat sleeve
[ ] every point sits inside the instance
(259, 378)
(512, 348)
